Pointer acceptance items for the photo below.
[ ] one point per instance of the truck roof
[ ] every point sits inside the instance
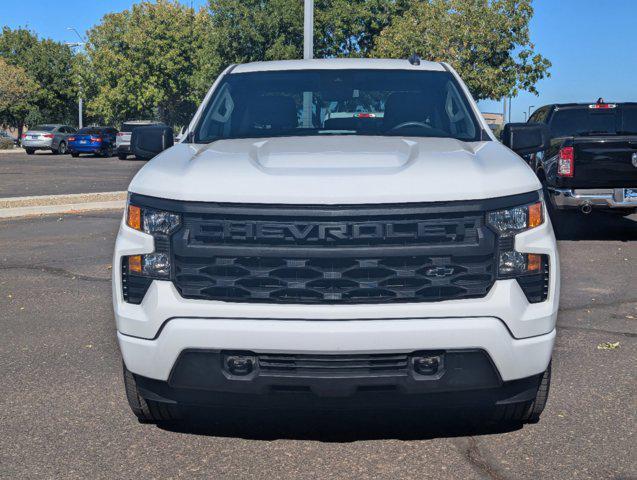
(582, 104)
(338, 63)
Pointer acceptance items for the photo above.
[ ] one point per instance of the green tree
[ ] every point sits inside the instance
(47, 63)
(140, 63)
(256, 30)
(487, 41)
(17, 91)
(348, 28)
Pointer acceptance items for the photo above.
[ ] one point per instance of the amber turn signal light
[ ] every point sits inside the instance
(535, 215)
(135, 264)
(533, 262)
(134, 217)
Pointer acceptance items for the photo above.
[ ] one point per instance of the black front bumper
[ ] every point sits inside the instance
(201, 377)
(123, 150)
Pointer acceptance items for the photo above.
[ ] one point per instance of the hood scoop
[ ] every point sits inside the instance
(291, 155)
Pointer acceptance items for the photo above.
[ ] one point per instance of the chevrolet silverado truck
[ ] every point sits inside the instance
(592, 160)
(280, 256)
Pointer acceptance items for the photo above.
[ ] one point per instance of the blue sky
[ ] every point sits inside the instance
(592, 43)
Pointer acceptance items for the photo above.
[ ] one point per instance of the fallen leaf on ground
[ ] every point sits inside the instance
(608, 346)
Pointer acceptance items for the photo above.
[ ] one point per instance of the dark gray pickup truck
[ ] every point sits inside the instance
(592, 159)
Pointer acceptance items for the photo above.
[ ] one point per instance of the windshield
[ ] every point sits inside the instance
(337, 102)
(582, 121)
(87, 130)
(129, 127)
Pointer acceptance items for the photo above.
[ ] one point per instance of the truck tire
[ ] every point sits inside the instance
(29, 151)
(147, 411)
(526, 412)
(122, 156)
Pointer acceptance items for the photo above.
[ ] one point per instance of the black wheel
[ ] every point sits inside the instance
(526, 412)
(108, 152)
(75, 154)
(30, 151)
(147, 411)
(61, 150)
(122, 156)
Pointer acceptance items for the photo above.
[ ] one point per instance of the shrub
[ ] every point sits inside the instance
(6, 143)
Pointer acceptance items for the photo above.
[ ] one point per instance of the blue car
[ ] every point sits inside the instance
(99, 141)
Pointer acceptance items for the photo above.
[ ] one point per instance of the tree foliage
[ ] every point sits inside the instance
(17, 92)
(142, 62)
(49, 65)
(158, 58)
(256, 30)
(487, 41)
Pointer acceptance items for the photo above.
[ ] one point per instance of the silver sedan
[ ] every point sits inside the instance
(47, 137)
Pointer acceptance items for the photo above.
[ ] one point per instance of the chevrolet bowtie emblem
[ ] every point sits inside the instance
(439, 272)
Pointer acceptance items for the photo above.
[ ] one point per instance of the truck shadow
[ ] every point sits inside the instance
(337, 426)
(595, 226)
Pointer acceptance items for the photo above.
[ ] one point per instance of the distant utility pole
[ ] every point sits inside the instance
(79, 100)
(504, 110)
(308, 53)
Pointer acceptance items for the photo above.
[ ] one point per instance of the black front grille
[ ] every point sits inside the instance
(334, 280)
(334, 365)
(334, 255)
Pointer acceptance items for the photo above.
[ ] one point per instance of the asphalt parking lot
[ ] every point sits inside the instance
(46, 174)
(63, 413)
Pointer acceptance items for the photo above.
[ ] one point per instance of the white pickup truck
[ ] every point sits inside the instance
(285, 255)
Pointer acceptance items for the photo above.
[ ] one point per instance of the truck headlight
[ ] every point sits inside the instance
(511, 221)
(160, 225)
(531, 270)
(138, 271)
(152, 221)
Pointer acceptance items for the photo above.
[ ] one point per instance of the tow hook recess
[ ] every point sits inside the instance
(427, 364)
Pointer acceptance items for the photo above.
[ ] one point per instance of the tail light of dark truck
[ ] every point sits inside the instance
(566, 162)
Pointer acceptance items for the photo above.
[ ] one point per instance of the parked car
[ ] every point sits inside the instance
(5, 135)
(47, 137)
(592, 159)
(123, 136)
(269, 260)
(96, 140)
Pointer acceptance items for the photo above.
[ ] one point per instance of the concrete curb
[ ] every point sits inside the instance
(17, 207)
(60, 209)
(13, 150)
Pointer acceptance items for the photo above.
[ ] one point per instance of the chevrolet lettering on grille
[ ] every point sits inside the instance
(326, 232)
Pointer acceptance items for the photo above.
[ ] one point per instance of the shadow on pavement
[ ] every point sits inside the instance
(595, 226)
(339, 427)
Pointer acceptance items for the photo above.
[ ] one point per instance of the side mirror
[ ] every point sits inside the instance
(146, 142)
(526, 138)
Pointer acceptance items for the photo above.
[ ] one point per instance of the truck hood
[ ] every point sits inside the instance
(335, 170)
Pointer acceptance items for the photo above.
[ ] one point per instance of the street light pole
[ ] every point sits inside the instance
(308, 30)
(308, 53)
(80, 100)
(530, 107)
(79, 114)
